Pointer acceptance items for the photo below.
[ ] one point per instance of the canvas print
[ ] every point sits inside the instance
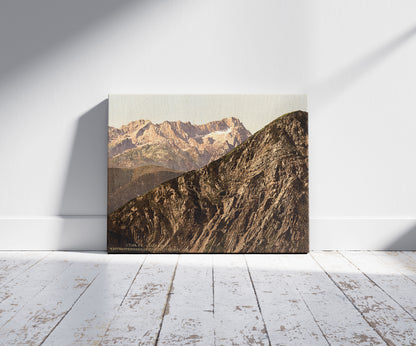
(208, 174)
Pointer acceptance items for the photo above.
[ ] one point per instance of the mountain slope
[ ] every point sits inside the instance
(125, 184)
(176, 145)
(254, 199)
(158, 154)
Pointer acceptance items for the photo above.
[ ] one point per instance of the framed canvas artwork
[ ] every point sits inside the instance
(208, 174)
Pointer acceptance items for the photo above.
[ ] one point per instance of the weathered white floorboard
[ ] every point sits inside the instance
(338, 319)
(412, 256)
(189, 315)
(86, 298)
(13, 263)
(88, 320)
(238, 320)
(403, 262)
(288, 319)
(386, 276)
(139, 317)
(32, 324)
(392, 322)
(15, 294)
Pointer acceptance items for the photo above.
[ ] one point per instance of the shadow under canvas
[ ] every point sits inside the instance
(84, 199)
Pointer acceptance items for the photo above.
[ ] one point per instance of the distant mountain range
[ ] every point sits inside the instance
(173, 144)
(125, 184)
(253, 199)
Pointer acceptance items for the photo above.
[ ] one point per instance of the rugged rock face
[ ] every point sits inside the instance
(176, 145)
(124, 184)
(254, 199)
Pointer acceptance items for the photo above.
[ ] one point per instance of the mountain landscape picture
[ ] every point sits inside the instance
(208, 174)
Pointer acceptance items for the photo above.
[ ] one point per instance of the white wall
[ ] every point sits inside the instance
(60, 59)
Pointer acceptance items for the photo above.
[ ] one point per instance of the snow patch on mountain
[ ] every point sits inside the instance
(218, 133)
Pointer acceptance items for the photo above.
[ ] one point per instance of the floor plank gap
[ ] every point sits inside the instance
(134, 279)
(375, 284)
(213, 292)
(66, 313)
(122, 301)
(350, 300)
(321, 298)
(389, 320)
(257, 300)
(167, 301)
(313, 316)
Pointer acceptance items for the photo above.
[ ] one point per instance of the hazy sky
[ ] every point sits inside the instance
(255, 111)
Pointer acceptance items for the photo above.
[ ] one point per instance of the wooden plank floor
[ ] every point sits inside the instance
(91, 298)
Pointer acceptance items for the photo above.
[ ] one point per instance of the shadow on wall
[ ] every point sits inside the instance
(84, 199)
(25, 27)
(322, 93)
(406, 242)
(327, 90)
(85, 189)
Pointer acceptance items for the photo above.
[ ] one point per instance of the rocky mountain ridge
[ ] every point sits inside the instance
(254, 199)
(176, 145)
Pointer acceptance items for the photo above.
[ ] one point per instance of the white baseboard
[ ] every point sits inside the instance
(54, 233)
(363, 234)
(90, 233)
